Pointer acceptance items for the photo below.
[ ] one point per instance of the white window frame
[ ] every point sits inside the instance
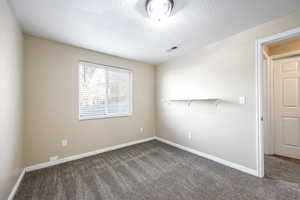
(112, 68)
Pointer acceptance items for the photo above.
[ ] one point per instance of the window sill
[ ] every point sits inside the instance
(105, 116)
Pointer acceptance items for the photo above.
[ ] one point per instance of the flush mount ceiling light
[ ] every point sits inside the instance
(159, 9)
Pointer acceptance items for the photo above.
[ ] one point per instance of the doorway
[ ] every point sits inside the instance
(278, 111)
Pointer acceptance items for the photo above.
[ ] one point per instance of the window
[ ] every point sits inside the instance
(104, 91)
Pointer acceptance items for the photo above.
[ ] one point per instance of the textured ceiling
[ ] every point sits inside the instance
(121, 27)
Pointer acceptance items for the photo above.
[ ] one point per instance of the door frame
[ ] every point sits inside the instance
(260, 95)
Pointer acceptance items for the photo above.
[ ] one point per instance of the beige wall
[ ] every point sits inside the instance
(11, 109)
(51, 99)
(225, 69)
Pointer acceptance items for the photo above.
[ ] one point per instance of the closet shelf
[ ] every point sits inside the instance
(189, 101)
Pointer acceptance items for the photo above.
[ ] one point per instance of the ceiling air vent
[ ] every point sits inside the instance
(172, 49)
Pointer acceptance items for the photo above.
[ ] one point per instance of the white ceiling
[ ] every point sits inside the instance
(121, 27)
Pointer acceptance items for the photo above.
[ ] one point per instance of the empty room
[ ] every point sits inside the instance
(150, 100)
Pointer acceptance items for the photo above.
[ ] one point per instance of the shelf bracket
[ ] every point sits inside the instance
(217, 102)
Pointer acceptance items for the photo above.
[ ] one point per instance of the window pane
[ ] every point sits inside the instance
(103, 91)
(119, 91)
(92, 91)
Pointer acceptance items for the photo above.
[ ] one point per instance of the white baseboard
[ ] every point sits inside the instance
(83, 155)
(91, 153)
(16, 186)
(210, 157)
(205, 155)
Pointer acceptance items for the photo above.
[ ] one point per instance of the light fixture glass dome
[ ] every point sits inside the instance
(159, 9)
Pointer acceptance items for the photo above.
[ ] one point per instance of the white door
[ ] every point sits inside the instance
(287, 107)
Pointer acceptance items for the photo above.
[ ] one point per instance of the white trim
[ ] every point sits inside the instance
(106, 116)
(16, 186)
(259, 94)
(210, 157)
(205, 155)
(83, 155)
(259, 110)
(280, 36)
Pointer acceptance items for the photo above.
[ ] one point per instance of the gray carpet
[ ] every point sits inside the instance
(156, 171)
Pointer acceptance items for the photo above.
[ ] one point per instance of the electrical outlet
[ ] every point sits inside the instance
(141, 130)
(242, 100)
(190, 135)
(53, 158)
(64, 142)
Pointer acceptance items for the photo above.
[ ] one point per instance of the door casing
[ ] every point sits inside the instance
(260, 99)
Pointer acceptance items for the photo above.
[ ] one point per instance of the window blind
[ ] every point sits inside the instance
(104, 91)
